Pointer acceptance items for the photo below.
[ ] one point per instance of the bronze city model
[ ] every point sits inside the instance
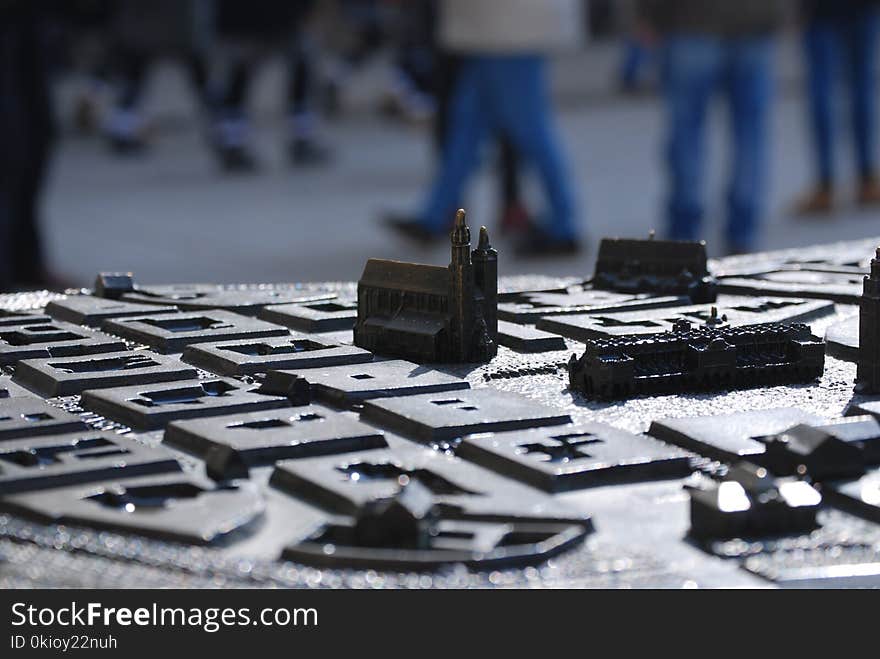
(428, 313)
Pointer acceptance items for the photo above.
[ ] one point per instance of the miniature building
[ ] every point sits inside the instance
(114, 284)
(406, 520)
(751, 503)
(428, 313)
(662, 267)
(868, 372)
(712, 356)
(815, 452)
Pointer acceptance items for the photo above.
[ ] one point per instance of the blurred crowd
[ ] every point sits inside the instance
(474, 71)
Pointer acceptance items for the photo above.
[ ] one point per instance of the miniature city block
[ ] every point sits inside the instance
(661, 267)
(705, 357)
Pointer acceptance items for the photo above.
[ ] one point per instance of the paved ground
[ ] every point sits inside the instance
(172, 216)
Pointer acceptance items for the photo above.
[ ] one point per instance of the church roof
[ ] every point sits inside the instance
(413, 277)
(410, 323)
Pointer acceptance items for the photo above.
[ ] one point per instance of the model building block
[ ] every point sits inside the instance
(176, 507)
(750, 503)
(244, 299)
(40, 463)
(69, 376)
(53, 339)
(91, 311)
(662, 267)
(705, 357)
(806, 451)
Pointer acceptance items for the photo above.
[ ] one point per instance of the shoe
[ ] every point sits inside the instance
(126, 145)
(307, 152)
(412, 108)
(868, 193)
(126, 132)
(538, 243)
(818, 201)
(412, 229)
(236, 159)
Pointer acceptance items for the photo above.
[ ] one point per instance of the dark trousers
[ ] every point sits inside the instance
(847, 41)
(502, 95)
(280, 21)
(445, 75)
(695, 68)
(25, 140)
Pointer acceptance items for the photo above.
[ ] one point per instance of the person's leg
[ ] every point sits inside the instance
(861, 46)
(749, 82)
(820, 49)
(691, 65)
(304, 146)
(11, 121)
(508, 163)
(445, 79)
(514, 214)
(38, 134)
(125, 125)
(414, 61)
(231, 131)
(237, 86)
(518, 89)
(300, 78)
(469, 125)
(634, 60)
(7, 248)
(28, 260)
(26, 123)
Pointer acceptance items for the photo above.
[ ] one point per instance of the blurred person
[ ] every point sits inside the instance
(142, 31)
(358, 33)
(365, 28)
(636, 65)
(514, 214)
(709, 46)
(87, 26)
(638, 62)
(841, 35)
(410, 95)
(26, 139)
(501, 88)
(246, 28)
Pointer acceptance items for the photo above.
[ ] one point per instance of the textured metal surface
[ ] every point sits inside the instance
(639, 535)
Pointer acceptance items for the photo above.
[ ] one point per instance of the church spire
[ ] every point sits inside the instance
(461, 235)
(483, 243)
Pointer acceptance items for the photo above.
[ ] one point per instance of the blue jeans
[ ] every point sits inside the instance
(695, 66)
(637, 63)
(509, 96)
(852, 36)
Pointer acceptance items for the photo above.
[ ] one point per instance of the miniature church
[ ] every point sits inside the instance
(428, 313)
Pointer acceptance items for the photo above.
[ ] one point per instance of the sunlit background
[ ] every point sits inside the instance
(265, 141)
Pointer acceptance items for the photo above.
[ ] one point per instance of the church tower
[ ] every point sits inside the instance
(868, 373)
(461, 298)
(485, 259)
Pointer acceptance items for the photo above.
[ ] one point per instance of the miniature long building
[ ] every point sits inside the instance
(661, 267)
(689, 359)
